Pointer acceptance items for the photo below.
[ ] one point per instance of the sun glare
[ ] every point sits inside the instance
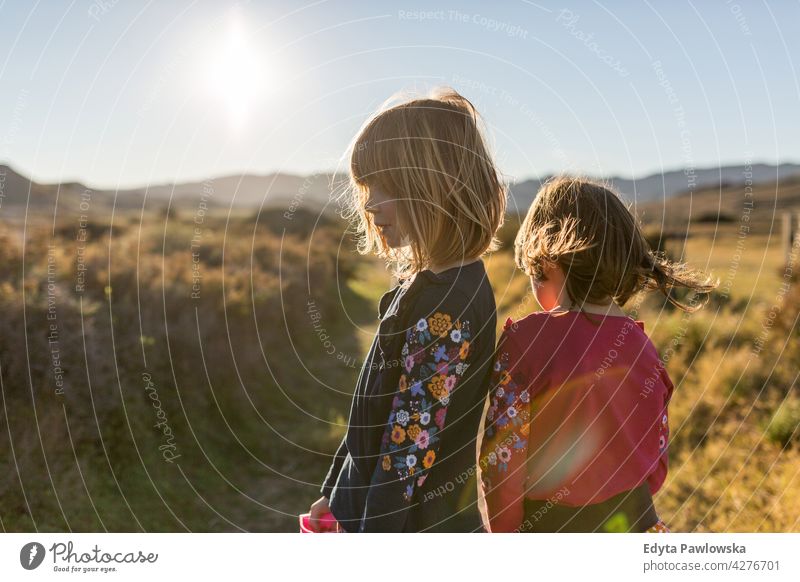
(235, 76)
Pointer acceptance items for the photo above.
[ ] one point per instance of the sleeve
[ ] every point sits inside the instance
(434, 358)
(505, 439)
(336, 467)
(656, 479)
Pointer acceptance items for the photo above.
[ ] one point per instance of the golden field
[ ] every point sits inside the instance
(201, 380)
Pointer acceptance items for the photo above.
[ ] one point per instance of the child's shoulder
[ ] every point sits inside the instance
(530, 324)
(460, 290)
(525, 331)
(541, 325)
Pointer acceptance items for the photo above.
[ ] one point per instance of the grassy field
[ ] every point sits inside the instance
(736, 410)
(236, 381)
(253, 374)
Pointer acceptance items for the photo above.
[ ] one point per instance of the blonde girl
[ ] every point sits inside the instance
(427, 197)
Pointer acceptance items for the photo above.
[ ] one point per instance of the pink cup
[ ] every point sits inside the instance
(327, 524)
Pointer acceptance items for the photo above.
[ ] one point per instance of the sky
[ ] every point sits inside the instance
(121, 93)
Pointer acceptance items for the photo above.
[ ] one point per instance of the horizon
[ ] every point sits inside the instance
(267, 174)
(126, 96)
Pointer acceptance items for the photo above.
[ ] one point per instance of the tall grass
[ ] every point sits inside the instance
(237, 371)
(254, 375)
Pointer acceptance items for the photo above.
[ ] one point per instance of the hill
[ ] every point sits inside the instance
(668, 184)
(316, 191)
(760, 207)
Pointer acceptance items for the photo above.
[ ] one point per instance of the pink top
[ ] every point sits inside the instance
(578, 414)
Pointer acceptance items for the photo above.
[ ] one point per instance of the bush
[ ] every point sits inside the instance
(784, 427)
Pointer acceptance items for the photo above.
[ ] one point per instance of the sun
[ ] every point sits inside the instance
(235, 77)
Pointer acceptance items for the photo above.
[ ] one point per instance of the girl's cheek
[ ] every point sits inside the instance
(392, 211)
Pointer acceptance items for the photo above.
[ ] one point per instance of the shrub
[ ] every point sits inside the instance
(784, 426)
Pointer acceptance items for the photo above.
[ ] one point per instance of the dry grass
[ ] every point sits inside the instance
(257, 401)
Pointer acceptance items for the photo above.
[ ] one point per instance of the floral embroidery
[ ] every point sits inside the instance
(413, 432)
(663, 433)
(437, 387)
(439, 419)
(440, 324)
(433, 358)
(416, 389)
(398, 434)
(508, 417)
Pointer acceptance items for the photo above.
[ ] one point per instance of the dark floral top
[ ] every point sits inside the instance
(408, 460)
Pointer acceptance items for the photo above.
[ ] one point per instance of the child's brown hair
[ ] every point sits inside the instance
(430, 155)
(587, 230)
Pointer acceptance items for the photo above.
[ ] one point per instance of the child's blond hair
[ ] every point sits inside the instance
(587, 230)
(430, 155)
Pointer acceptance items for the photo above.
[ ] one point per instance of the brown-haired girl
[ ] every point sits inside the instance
(428, 198)
(576, 433)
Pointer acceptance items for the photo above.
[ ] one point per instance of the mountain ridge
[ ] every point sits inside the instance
(276, 189)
